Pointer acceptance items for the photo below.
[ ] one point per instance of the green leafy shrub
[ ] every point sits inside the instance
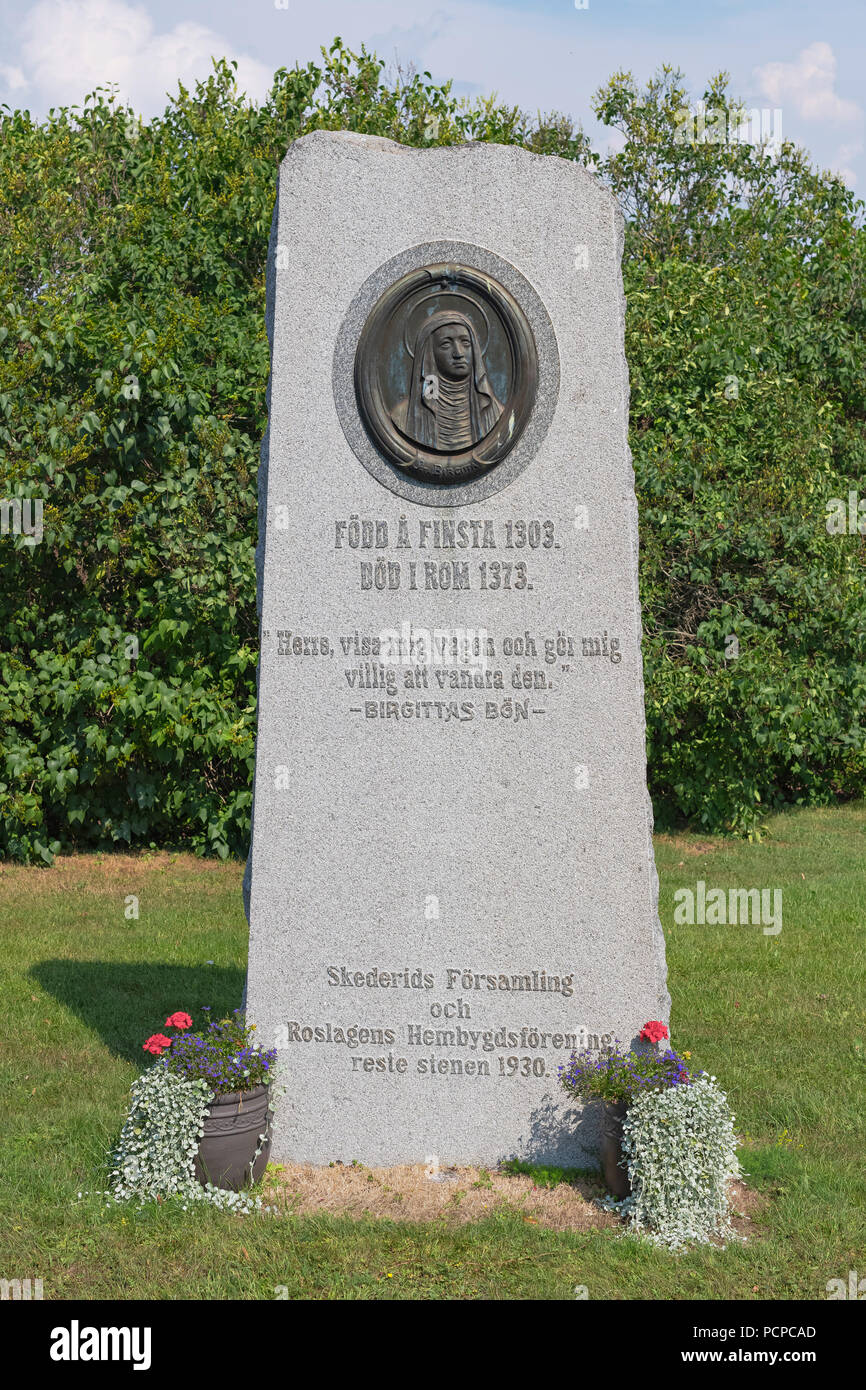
(745, 278)
(133, 371)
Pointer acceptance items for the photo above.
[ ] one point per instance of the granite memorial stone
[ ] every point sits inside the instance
(451, 882)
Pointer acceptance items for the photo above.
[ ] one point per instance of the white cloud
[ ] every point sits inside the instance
(71, 46)
(845, 157)
(12, 79)
(808, 84)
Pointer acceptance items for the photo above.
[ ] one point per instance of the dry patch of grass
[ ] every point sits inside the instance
(104, 875)
(687, 844)
(746, 1206)
(406, 1193)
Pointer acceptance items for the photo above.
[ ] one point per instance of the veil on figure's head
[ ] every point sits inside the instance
(484, 408)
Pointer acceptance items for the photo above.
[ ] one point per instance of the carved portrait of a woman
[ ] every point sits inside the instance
(451, 404)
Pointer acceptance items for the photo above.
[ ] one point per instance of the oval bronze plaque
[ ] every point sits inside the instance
(446, 373)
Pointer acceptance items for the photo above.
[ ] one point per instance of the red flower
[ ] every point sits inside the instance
(179, 1020)
(653, 1032)
(156, 1044)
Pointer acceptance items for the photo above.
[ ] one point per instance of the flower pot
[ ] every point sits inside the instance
(616, 1177)
(232, 1127)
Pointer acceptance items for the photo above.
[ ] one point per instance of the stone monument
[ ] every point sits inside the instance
(451, 883)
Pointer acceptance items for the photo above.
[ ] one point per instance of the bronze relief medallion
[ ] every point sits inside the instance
(446, 373)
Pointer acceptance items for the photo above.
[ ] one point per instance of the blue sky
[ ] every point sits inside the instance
(806, 59)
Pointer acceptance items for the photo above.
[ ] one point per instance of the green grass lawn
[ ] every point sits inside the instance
(780, 1020)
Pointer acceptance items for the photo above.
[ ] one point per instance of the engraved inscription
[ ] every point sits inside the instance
(427, 1046)
(458, 675)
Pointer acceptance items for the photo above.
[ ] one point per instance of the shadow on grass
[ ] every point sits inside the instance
(124, 1002)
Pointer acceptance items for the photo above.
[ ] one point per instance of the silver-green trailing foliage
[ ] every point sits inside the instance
(158, 1143)
(680, 1148)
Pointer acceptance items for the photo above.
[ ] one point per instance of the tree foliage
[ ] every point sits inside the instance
(133, 369)
(745, 277)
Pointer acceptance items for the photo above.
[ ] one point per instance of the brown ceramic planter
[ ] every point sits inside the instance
(232, 1127)
(615, 1176)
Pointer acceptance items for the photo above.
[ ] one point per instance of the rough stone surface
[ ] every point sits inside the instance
(405, 869)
